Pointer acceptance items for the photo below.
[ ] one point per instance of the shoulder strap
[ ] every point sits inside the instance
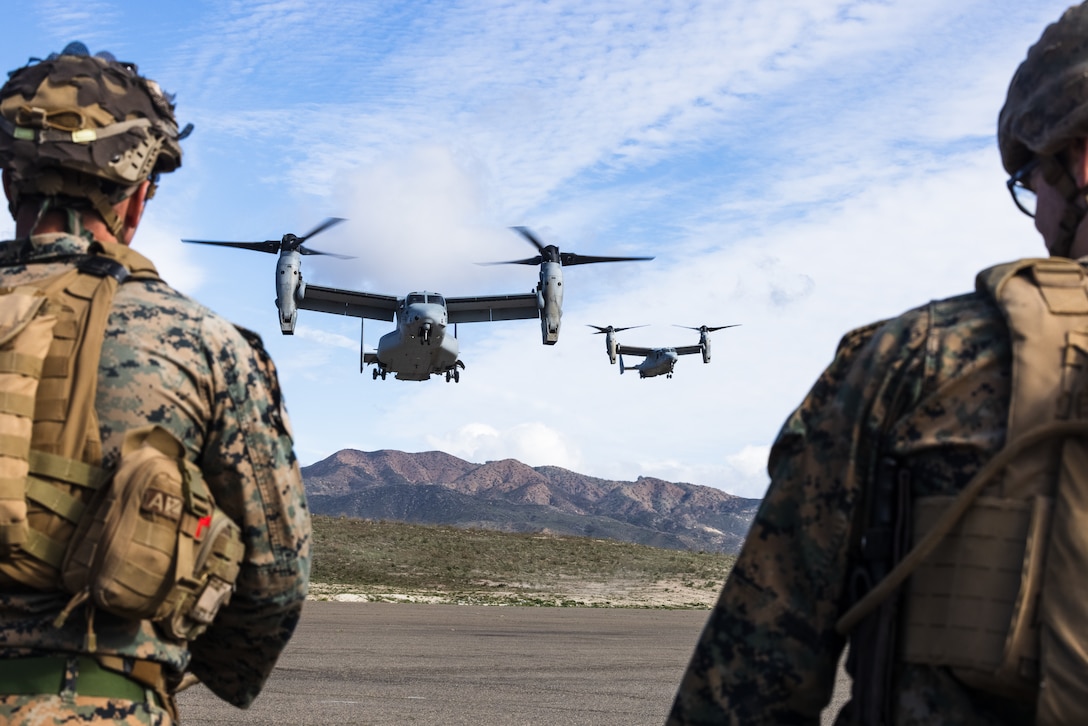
(1045, 304)
(138, 266)
(66, 423)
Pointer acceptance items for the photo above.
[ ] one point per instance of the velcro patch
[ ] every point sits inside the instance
(161, 503)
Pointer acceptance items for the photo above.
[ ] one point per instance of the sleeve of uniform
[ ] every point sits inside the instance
(251, 468)
(769, 650)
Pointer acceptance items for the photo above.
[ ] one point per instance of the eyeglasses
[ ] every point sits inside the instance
(1022, 194)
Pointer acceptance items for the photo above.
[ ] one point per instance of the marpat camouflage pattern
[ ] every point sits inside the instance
(170, 361)
(931, 388)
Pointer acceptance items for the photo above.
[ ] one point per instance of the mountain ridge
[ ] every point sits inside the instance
(434, 487)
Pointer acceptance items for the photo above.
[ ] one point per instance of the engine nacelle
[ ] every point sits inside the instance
(550, 301)
(612, 345)
(289, 289)
(704, 342)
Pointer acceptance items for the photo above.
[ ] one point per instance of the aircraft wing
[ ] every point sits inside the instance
(487, 308)
(348, 302)
(633, 350)
(688, 349)
(370, 358)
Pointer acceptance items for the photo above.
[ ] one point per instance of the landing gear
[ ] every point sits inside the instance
(454, 375)
(375, 372)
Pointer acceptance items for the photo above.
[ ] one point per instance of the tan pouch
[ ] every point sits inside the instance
(152, 544)
(218, 559)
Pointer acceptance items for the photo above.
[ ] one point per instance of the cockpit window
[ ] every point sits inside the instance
(415, 297)
(435, 298)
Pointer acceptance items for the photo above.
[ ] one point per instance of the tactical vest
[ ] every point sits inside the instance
(143, 541)
(996, 589)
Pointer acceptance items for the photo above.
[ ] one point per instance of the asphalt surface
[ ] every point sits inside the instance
(384, 664)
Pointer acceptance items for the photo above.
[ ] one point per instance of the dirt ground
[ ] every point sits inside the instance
(616, 594)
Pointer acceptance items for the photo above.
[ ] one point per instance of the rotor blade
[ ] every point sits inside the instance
(321, 227)
(613, 329)
(528, 234)
(707, 328)
(268, 246)
(572, 258)
(307, 251)
(527, 261)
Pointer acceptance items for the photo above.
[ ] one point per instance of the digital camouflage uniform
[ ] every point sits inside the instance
(170, 361)
(930, 388)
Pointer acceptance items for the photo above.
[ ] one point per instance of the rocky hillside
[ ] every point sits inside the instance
(437, 488)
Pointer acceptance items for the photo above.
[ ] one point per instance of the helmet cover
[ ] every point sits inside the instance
(93, 115)
(1047, 104)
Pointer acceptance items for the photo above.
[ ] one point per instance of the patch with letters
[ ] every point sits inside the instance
(161, 503)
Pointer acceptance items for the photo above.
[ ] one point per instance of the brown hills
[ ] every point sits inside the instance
(436, 488)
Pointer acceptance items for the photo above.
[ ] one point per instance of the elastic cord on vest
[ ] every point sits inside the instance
(951, 517)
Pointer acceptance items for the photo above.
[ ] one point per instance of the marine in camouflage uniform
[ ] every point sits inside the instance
(930, 390)
(170, 361)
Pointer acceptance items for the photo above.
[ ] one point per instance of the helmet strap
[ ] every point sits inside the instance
(105, 210)
(72, 215)
(76, 188)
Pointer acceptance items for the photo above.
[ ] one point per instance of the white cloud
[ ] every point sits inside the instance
(532, 443)
(750, 461)
(416, 223)
(322, 337)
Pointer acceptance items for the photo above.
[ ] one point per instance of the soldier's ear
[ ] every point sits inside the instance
(133, 212)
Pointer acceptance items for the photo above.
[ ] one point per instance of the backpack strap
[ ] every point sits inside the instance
(50, 453)
(1045, 303)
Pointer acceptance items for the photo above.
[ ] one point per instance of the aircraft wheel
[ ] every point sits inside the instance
(375, 374)
(457, 376)
(383, 375)
(448, 376)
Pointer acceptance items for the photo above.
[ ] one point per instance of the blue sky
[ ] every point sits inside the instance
(800, 167)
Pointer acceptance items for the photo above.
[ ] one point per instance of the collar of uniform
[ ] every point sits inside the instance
(42, 246)
(54, 244)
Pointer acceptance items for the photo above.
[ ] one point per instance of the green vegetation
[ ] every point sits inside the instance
(392, 560)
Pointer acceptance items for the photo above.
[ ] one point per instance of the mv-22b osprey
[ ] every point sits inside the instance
(656, 361)
(419, 346)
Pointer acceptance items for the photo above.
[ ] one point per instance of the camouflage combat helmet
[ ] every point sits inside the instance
(78, 129)
(1047, 104)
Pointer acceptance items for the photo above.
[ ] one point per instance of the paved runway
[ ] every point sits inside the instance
(384, 664)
